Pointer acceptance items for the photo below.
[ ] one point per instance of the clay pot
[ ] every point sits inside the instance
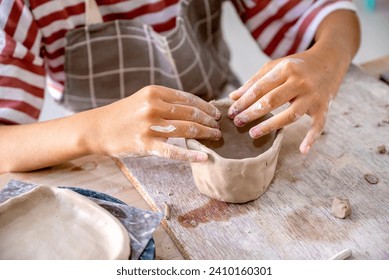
(239, 168)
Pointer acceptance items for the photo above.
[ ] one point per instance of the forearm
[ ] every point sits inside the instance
(38, 145)
(337, 38)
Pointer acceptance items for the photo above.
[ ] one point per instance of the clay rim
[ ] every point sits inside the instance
(122, 252)
(270, 153)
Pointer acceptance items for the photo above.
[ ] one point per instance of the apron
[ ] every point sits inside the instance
(107, 61)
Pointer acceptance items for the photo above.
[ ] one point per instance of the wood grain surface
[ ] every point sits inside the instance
(292, 220)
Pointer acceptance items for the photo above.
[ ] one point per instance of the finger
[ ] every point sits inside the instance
(266, 104)
(268, 82)
(276, 76)
(187, 113)
(173, 152)
(288, 116)
(185, 98)
(184, 129)
(236, 94)
(317, 127)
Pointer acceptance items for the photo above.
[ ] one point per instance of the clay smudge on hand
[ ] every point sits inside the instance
(269, 77)
(164, 129)
(275, 72)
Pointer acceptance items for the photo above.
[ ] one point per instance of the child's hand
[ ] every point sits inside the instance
(303, 80)
(142, 123)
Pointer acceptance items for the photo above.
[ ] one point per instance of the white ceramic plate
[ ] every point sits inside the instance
(53, 223)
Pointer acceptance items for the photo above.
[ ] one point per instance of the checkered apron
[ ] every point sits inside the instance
(107, 61)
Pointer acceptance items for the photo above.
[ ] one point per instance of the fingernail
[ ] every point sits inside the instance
(218, 115)
(255, 132)
(232, 112)
(231, 95)
(201, 157)
(214, 124)
(238, 122)
(305, 149)
(218, 134)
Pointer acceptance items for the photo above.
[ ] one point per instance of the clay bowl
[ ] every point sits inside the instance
(239, 169)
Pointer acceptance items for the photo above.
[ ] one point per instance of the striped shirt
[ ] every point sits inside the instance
(32, 38)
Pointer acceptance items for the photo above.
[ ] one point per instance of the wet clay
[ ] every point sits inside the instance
(341, 208)
(239, 169)
(236, 142)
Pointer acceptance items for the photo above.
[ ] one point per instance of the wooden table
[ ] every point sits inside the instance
(292, 215)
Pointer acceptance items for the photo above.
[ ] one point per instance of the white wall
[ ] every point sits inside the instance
(375, 31)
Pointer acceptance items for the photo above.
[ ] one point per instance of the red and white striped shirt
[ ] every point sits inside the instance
(32, 38)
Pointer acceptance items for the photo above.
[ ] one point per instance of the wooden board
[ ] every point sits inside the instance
(292, 220)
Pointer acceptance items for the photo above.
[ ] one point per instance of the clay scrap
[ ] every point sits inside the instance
(381, 149)
(371, 179)
(341, 208)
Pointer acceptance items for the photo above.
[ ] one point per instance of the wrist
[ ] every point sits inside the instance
(84, 133)
(333, 56)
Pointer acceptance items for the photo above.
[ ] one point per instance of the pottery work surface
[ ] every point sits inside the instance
(239, 168)
(292, 219)
(54, 223)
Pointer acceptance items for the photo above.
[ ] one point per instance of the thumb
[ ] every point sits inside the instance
(173, 152)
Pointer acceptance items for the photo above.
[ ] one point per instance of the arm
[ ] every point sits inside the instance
(308, 80)
(135, 126)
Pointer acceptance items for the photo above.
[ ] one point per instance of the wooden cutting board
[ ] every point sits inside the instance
(292, 220)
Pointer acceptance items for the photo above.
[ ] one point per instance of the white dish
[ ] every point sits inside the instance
(53, 223)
